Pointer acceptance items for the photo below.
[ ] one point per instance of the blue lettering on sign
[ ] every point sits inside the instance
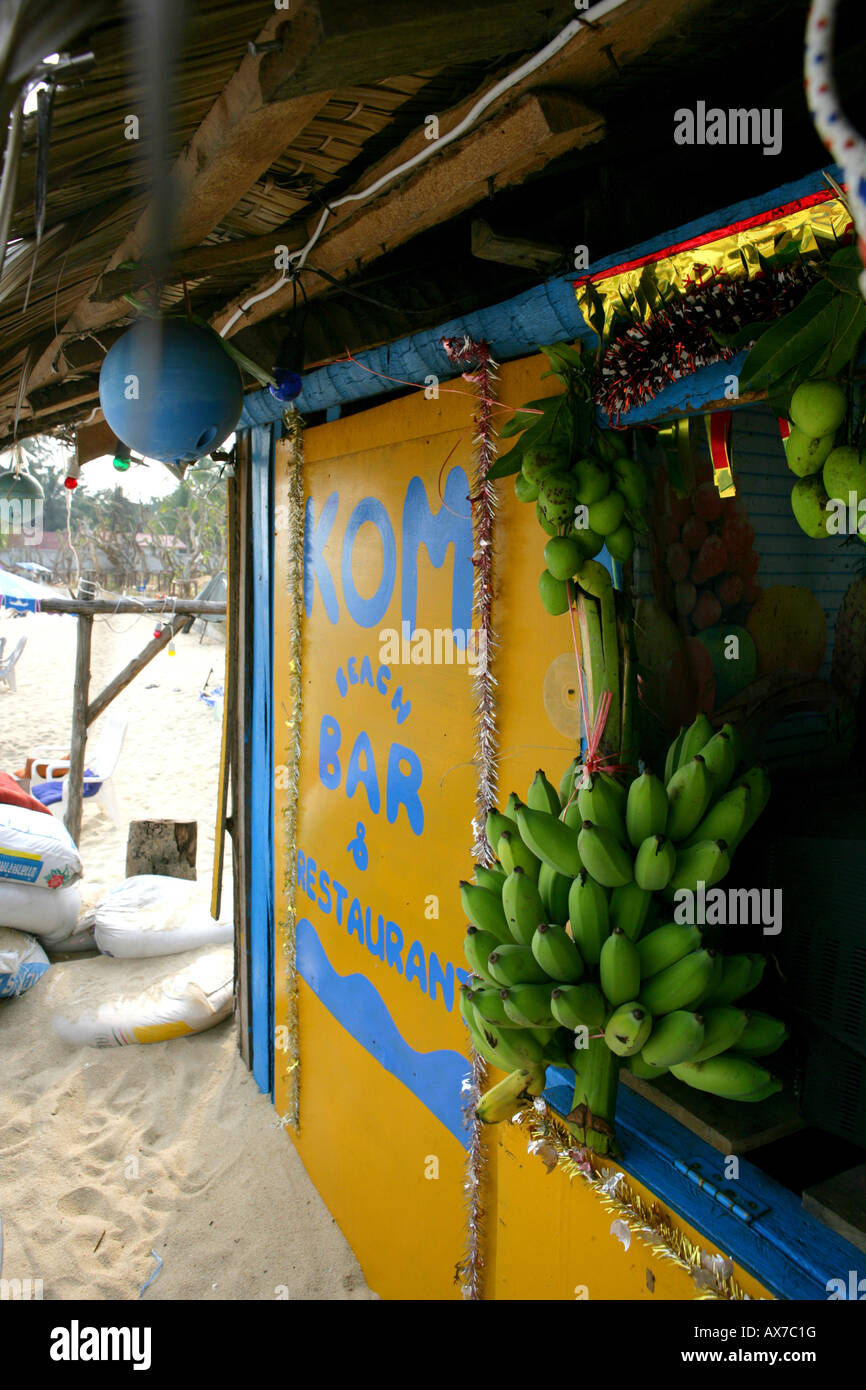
(452, 525)
(386, 941)
(367, 612)
(363, 773)
(403, 777)
(316, 534)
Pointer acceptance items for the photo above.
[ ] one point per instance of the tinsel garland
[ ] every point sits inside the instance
(464, 352)
(550, 1140)
(676, 340)
(293, 431)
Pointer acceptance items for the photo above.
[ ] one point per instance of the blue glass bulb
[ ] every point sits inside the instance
(288, 385)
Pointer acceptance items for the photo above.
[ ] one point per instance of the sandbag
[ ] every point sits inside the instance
(190, 1001)
(151, 915)
(53, 917)
(36, 850)
(22, 961)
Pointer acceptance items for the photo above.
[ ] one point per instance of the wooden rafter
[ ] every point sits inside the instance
(275, 94)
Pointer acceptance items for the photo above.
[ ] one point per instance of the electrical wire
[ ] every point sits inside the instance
(435, 146)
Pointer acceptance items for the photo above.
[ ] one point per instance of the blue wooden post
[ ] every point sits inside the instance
(261, 919)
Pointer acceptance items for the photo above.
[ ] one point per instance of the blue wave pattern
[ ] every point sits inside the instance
(435, 1078)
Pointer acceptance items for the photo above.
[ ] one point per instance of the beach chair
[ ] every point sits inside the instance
(52, 789)
(8, 663)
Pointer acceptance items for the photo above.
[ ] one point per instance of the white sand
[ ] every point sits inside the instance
(106, 1155)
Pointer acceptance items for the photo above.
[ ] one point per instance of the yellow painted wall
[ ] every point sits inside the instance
(371, 1145)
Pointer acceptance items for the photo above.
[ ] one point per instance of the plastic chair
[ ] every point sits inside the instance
(99, 767)
(7, 664)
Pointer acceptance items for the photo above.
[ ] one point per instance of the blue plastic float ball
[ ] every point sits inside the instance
(170, 391)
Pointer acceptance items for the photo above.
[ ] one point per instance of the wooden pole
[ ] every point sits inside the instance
(138, 663)
(165, 608)
(75, 787)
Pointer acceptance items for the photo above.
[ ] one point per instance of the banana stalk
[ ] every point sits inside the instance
(628, 742)
(589, 625)
(593, 1113)
(594, 579)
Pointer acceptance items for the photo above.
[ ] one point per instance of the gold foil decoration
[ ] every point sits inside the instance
(809, 232)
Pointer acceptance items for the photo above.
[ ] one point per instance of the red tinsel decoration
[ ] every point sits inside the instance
(676, 339)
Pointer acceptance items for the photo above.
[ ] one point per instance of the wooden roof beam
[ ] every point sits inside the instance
(274, 95)
(505, 149)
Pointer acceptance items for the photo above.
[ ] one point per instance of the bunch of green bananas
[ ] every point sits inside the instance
(583, 503)
(572, 961)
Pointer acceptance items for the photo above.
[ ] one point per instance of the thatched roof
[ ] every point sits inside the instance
(336, 94)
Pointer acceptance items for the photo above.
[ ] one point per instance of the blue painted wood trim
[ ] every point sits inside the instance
(514, 328)
(786, 1249)
(261, 915)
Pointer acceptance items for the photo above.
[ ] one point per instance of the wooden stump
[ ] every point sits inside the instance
(162, 847)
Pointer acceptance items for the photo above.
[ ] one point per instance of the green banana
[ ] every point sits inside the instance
(619, 968)
(638, 1067)
(484, 910)
(578, 1006)
(678, 986)
(557, 954)
(706, 862)
(542, 796)
(512, 851)
(515, 965)
(655, 863)
(675, 1038)
(720, 758)
(696, 736)
(589, 915)
(665, 946)
(728, 1075)
(672, 760)
(507, 1048)
(529, 1006)
(522, 908)
(477, 946)
(551, 841)
(689, 792)
(736, 973)
(646, 811)
(489, 1007)
(628, 1029)
(723, 1028)
(511, 805)
(571, 814)
(554, 889)
(759, 965)
(629, 908)
(603, 855)
(762, 1034)
(467, 1010)
(724, 820)
(566, 785)
(758, 782)
(600, 803)
(772, 1087)
(495, 825)
(715, 980)
(490, 878)
(503, 1099)
(617, 791)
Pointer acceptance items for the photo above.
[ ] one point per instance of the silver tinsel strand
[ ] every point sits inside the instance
(463, 352)
(293, 426)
